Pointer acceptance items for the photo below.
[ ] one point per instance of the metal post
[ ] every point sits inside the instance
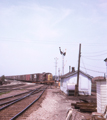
(56, 67)
(59, 74)
(62, 64)
(63, 54)
(77, 86)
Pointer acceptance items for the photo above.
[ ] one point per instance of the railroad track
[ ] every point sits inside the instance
(4, 89)
(13, 109)
(10, 86)
(6, 100)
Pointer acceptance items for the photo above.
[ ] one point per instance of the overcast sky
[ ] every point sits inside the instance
(31, 32)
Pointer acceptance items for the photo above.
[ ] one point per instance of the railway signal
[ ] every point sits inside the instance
(63, 54)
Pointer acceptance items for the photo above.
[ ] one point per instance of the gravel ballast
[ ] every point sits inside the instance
(53, 107)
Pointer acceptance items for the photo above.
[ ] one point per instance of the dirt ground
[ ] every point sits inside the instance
(55, 107)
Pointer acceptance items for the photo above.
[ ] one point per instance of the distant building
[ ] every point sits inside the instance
(69, 80)
(101, 87)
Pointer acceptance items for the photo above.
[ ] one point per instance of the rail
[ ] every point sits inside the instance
(17, 115)
(19, 99)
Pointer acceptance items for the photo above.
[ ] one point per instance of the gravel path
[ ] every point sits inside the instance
(53, 107)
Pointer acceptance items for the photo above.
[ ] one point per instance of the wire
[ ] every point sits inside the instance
(90, 58)
(95, 55)
(95, 44)
(95, 52)
(92, 70)
(53, 42)
(84, 65)
(41, 42)
(94, 66)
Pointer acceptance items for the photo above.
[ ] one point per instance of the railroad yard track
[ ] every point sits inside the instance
(11, 86)
(12, 107)
(14, 87)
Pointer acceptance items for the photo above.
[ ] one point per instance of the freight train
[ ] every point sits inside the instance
(42, 78)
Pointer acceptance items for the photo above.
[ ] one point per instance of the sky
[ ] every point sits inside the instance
(31, 32)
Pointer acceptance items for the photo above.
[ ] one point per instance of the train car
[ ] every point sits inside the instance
(10, 77)
(22, 77)
(44, 78)
(35, 77)
(41, 78)
(27, 77)
(48, 78)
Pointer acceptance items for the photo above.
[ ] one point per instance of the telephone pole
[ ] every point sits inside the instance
(77, 86)
(56, 67)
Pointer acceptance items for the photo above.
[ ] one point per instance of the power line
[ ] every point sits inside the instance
(40, 42)
(94, 44)
(84, 65)
(94, 52)
(90, 58)
(95, 55)
(94, 66)
(54, 42)
(93, 70)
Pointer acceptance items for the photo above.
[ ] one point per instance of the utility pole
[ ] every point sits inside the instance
(77, 86)
(56, 67)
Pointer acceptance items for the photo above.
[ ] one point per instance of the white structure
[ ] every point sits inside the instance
(71, 79)
(101, 94)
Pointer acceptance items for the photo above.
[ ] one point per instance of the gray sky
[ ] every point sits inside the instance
(31, 32)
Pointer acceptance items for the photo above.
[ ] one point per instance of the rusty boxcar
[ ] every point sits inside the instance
(44, 78)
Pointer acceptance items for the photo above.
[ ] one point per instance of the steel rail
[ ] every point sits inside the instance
(18, 94)
(11, 86)
(18, 99)
(17, 115)
(15, 95)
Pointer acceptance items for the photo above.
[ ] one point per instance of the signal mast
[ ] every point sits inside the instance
(63, 54)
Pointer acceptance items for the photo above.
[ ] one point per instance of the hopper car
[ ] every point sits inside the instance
(42, 78)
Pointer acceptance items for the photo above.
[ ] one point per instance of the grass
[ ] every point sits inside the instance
(4, 92)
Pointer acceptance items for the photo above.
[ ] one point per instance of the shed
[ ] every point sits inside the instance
(71, 79)
(101, 89)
